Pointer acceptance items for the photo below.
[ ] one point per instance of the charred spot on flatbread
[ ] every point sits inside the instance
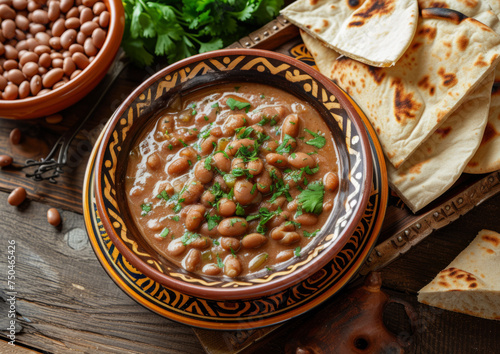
(462, 42)
(377, 73)
(492, 239)
(496, 88)
(489, 133)
(443, 132)
(444, 14)
(449, 79)
(427, 31)
(405, 107)
(374, 8)
(425, 84)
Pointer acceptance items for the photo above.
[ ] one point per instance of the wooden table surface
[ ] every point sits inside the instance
(66, 301)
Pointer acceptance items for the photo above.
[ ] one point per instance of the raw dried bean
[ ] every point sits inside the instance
(40, 16)
(2, 49)
(57, 63)
(28, 57)
(10, 52)
(41, 49)
(73, 12)
(33, 5)
(72, 23)
(53, 217)
(17, 196)
(10, 92)
(54, 11)
(55, 43)
(8, 29)
(6, 12)
(86, 15)
(68, 66)
(22, 22)
(35, 85)
(88, 27)
(36, 27)
(80, 38)
(24, 89)
(15, 136)
(66, 5)
(98, 37)
(44, 92)
(104, 18)
(5, 160)
(89, 3)
(58, 84)
(20, 36)
(32, 43)
(45, 60)
(76, 48)
(19, 4)
(58, 27)
(54, 118)
(75, 74)
(68, 38)
(80, 60)
(98, 8)
(16, 76)
(52, 77)
(56, 55)
(3, 82)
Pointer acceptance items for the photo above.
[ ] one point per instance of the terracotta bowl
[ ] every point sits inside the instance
(355, 166)
(79, 87)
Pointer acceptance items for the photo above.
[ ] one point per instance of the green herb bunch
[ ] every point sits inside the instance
(179, 29)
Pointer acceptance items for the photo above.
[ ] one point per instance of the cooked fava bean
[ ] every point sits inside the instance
(222, 162)
(233, 147)
(201, 173)
(193, 220)
(291, 126)
(232, 227)
(233, 122)
(258, 261)
(176, 247)
(17, 196)
(254, 240)
(284, 256)
(306, 219)
(226, 207)
(301, 160)
(230, 244)
(178, 166)
(192, 193)
(243, 192)
(211, 269)
(232, 266)
(255, 167)
(154, 161)
(208, 145)
(331, 182)
(277, 160)
(229, 194)
(192, 260)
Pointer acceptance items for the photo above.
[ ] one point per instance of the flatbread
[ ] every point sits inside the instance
(471, 283)
(441, 159)
(449, 56)
(375, 32)
(480, 10)
(487, 157)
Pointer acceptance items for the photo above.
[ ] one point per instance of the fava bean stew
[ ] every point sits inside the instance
(233, 179)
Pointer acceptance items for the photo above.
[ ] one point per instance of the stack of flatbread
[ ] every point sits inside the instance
(471, 283)
(422, 75)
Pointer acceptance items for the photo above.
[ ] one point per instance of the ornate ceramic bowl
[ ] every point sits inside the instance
(233, 65)
(79, 87)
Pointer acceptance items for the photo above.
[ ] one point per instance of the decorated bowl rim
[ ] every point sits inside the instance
(280, 283)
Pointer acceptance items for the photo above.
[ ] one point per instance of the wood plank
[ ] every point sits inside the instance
(66, 301)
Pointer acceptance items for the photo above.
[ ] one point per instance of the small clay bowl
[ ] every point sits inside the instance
(80, 86)
(234, 65)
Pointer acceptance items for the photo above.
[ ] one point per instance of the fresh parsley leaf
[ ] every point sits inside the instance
(319, 141)
(189, 237)
(296, 252)
(239, 210)
(212, 221)
(163, 195)
(146, 208)
(165, 232)
(286, 145)
(233, 104)
(311, 234)
(220, 264)
(311, 198)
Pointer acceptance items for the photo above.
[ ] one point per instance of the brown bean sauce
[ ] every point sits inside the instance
(235, 179)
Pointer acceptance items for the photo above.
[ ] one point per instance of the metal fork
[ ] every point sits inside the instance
(49, 168)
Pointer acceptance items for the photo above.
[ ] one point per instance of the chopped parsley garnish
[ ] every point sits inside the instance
(233, 252)
(254, 188)
(217, 243)
(206, 118)
(189, 237)
(311, 198)
(273, 121)
(296, 252)
(183, 143)
(239, 172)
(176, 218)
(312, 152)
(286, 145)
(311, 234)
(215, 105)
(264, 215)
(170, 147)
(246, 132)
(232, 104)
(310, 171)
(212, 221)
(208, 163)
(291, 222)
(262, 96)
(220, 264)
(165, 232)
(146, 208)
(269, 269)
(263, 121)
(178, 207)
(163, 195)
(319, 141)
(190, 163)
(279, 189)
(239, 210)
